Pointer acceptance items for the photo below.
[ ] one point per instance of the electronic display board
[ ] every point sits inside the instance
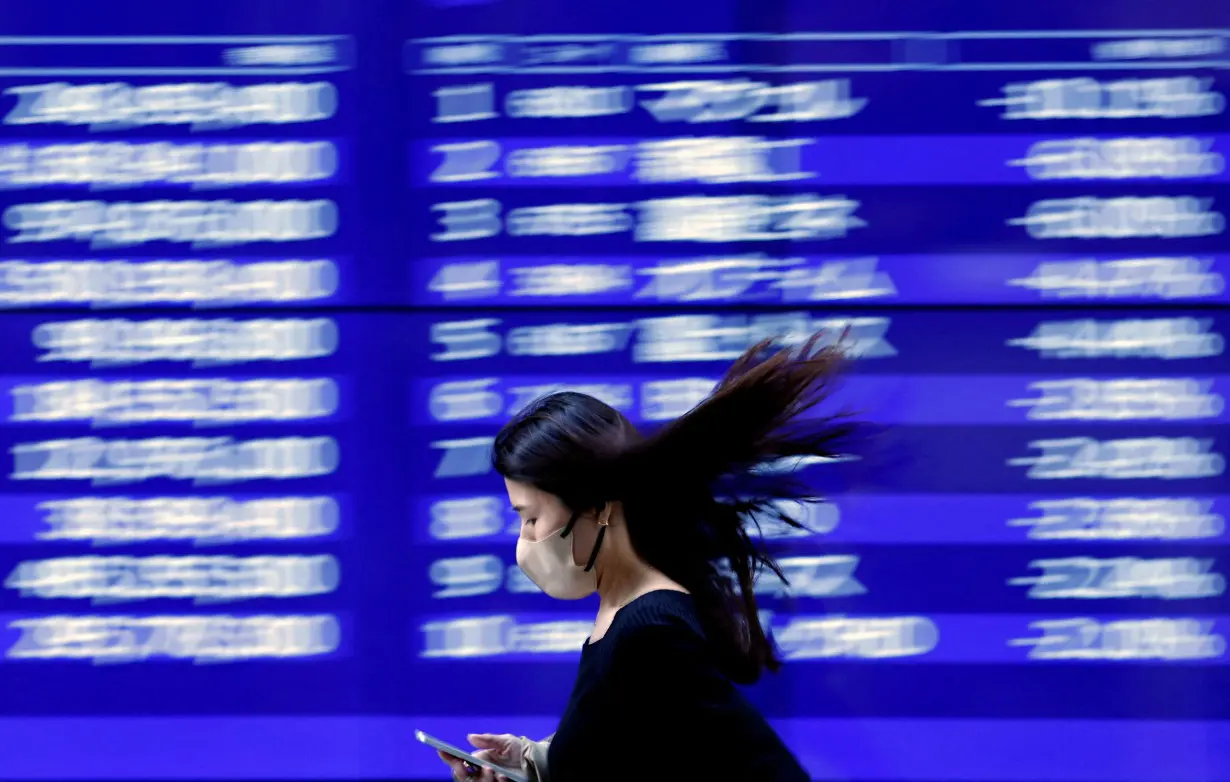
(273, 274)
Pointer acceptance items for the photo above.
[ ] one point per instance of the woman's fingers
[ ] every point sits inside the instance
(488, 741)
(497, 749)
(464, 771)
(492, 756)
(448, 759)
(500, 749)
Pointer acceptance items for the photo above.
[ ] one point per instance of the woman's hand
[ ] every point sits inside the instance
(503, 750)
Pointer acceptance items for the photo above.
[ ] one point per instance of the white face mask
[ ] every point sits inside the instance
(550, 564)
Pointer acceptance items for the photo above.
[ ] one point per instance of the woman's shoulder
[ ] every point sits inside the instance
(662, 613)
(660, 643)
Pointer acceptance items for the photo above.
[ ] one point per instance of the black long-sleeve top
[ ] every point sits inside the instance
(650, 703)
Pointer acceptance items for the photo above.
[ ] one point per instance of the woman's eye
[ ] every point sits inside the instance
(530, 521)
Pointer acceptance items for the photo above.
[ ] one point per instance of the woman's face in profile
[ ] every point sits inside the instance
(541, 513)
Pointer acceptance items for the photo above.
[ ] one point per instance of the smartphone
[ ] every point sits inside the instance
(461, 754)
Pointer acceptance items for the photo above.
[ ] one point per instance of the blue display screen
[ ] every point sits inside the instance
(272, 275)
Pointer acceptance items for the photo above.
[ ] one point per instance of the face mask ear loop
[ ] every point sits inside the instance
(603, 523)
(572, 522)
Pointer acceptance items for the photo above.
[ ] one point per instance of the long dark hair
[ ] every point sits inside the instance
(694, 491)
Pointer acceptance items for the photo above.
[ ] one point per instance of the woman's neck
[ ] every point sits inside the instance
(619, 586)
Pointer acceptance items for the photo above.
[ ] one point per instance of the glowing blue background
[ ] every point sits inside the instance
(926, 518)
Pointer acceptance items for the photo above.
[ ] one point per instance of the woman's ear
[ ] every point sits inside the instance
(609, 512)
